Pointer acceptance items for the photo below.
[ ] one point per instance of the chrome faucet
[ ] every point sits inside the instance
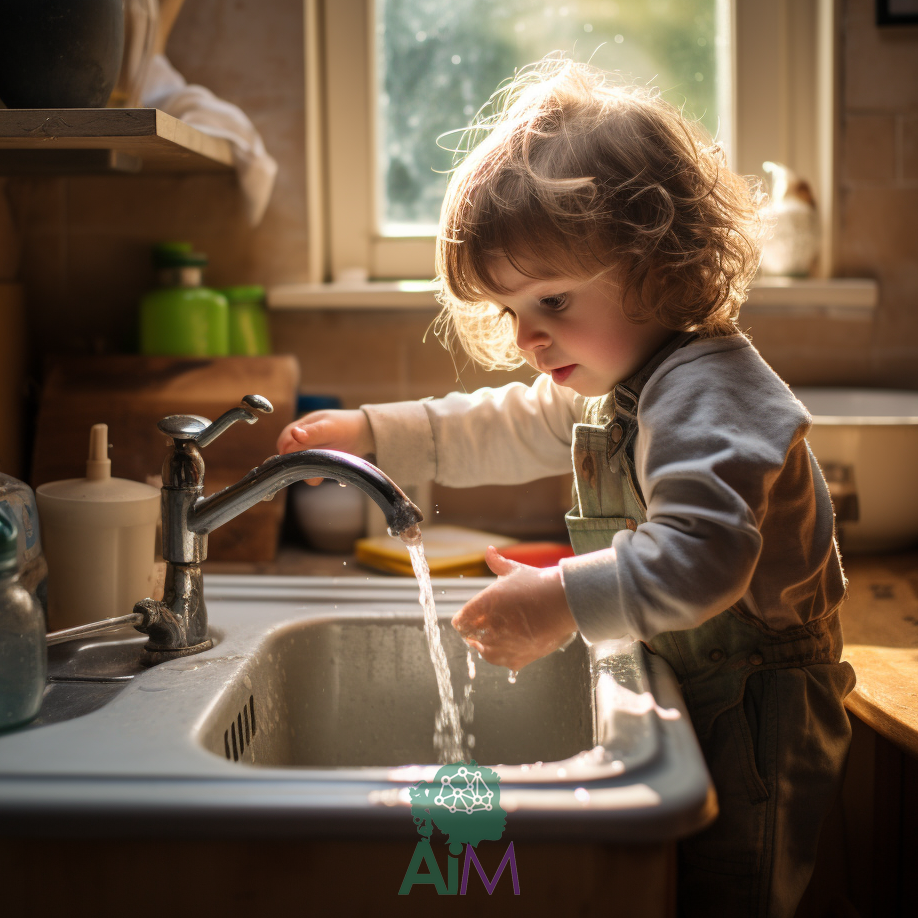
(177, 626)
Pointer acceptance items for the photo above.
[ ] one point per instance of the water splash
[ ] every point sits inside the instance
(448, 734)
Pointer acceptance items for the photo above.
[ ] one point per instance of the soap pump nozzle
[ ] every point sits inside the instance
(98, 465)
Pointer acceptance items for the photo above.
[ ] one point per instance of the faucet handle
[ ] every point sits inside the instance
(244, 412)
(203, 431)
(183, 426)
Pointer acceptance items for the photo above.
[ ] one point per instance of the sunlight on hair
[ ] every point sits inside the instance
(574, 169)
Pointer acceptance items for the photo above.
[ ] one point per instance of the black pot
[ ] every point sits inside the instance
(59, 53)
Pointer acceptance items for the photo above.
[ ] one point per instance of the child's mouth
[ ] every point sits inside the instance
(562, 373)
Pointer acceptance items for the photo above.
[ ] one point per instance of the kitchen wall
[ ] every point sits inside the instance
(877, 200)
(85, 241)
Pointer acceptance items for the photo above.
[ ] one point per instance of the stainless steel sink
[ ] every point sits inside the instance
(314, 712)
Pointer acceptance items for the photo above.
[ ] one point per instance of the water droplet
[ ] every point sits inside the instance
(512, 677)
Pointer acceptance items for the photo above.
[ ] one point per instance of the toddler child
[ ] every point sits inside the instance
(597, 234)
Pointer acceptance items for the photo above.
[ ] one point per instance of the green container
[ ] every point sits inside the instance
(183, 318)
(248, 321)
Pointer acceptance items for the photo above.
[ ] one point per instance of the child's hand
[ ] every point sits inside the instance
(348, 431)
(522, 617)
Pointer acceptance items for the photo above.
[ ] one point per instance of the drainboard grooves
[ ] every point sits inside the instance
(240, 734)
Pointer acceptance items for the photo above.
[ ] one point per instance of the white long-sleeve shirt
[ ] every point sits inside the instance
(738, 512)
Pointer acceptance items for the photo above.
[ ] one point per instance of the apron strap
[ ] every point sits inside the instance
(623, 424)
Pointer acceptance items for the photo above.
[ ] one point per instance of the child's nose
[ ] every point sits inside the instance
(530, 335)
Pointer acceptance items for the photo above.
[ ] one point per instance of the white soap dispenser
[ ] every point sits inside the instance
(99, 536)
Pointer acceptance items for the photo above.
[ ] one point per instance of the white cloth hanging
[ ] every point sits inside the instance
(166, 89)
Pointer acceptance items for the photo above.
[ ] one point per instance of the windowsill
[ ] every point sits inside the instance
(416, 294)
(839, 298)
(835, 298)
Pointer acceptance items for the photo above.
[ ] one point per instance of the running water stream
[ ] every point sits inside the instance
(449, 740)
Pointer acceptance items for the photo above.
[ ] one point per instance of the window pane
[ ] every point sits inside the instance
(438, 61)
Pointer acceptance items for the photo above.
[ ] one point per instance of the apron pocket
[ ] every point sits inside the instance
(590, 533)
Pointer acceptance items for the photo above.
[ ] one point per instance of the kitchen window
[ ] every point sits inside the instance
(386, 77)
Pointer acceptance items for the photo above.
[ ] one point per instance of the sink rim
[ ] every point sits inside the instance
(111, 770)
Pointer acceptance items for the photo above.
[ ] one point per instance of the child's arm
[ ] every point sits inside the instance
(518, 619)
(348, 431)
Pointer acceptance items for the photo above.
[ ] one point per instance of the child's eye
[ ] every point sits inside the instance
(553, 302)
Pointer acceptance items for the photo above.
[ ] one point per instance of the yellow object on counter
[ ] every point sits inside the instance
(451, 551)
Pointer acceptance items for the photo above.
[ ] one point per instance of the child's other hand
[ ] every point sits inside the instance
(522, 617)
(348, 431)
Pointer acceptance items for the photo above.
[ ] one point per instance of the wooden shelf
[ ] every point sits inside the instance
(105, 140)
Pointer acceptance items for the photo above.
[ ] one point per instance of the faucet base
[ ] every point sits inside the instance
(153, 655)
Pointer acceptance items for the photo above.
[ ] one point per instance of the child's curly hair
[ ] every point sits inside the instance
(580, 175)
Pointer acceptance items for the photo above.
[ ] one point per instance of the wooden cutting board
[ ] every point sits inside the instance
(131, 394)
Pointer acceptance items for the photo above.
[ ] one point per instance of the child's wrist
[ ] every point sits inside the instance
(555, 584)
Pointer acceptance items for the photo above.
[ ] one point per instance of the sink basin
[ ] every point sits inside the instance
(313, 714)
(356, 692)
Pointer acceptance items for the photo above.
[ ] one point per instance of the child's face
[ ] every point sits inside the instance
(575, 329)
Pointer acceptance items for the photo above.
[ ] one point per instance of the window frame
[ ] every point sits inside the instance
(792, 119)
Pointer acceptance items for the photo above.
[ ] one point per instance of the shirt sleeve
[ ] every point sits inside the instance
(715, 434)
(506, 435)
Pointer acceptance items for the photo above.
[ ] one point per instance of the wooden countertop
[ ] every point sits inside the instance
(880, 622)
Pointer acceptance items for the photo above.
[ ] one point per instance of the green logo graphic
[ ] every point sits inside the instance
(463, 802)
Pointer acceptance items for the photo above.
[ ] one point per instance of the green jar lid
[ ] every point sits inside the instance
(9, 537)
(177, 255)
(244, 293)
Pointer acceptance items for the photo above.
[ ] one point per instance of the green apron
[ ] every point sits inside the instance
(767, 706)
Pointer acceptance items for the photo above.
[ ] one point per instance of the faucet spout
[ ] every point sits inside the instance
(262, 483)
(177, 624)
